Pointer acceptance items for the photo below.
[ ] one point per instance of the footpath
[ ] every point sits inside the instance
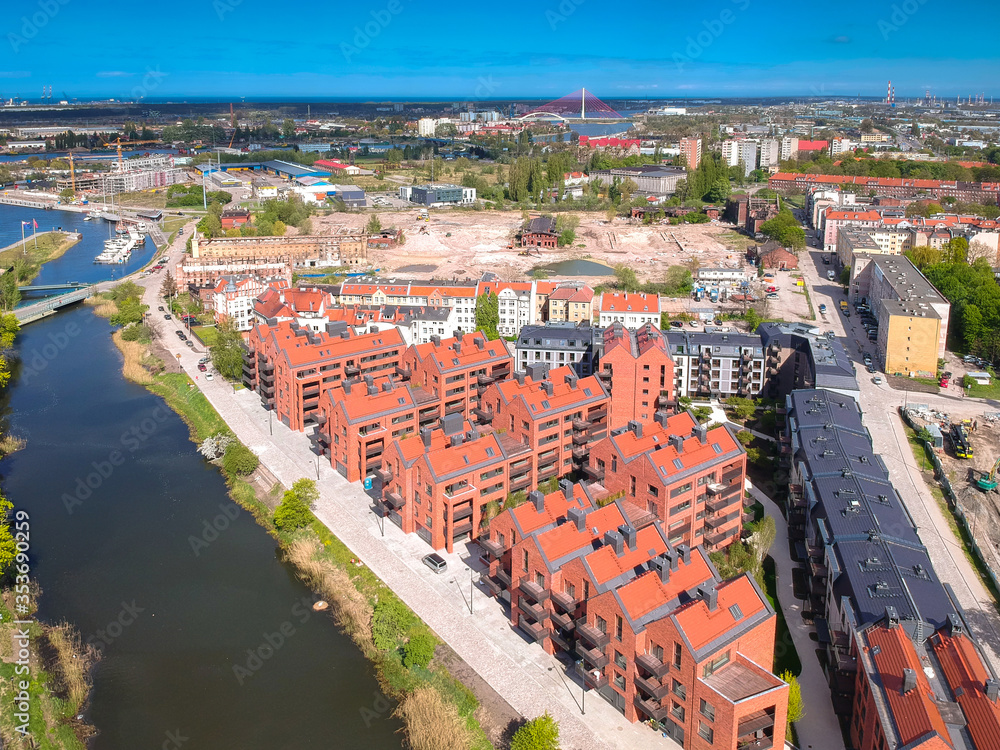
(452, 603)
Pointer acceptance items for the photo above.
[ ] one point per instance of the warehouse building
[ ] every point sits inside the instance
(438, 194)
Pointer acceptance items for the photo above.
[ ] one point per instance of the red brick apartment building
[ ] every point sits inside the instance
(457, 370)
(555, 413)
(638, 370)
(688, 476)
(359, 418)
(437, 484)
(653, 628)
(898, 704)
(291, 366)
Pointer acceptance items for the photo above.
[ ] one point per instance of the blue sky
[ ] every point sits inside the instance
(396, 48)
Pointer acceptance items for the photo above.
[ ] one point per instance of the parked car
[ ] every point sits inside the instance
(160, 308)
(822, 309)
(202, 368)
(877, 380)
(167, 316)
(435, 562)
(772, 295)
(676, 324)
(188, 342)
(209, 376)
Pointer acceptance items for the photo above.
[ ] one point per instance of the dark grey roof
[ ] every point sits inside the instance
(729, 344)
(560, 335)
(541, 225)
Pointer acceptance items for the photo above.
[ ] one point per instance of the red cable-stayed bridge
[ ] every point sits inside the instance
(580, 105)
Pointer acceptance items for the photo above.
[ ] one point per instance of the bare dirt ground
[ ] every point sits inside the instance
(468, 243)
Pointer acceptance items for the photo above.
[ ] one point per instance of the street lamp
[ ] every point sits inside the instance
(581, 670)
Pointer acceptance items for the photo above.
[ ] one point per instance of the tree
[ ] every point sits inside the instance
(67, 194)
(784, 228)
(677, 281)
(169, 287)
(130, 310)
(743, 408)
(419, 650)
(719, 191)
(291, 513)
(239, 460)
(796, 710)
(866, 126)
(703, 414)
(8, 545)
(488, 314)
(374, 226)
(753, 319)
(227, 353)
(762, 536)
(845, 275)
(446, 130)
(915, 130)
(610, 214)
(288, 128)
(626, 278)
(541, 733)
(306, 491)
(10, 294)
(745, 437)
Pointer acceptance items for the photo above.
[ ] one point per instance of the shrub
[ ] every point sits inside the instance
(239, 460)
(390, 620)
(292, 513)
(541, 733)
(419, 650)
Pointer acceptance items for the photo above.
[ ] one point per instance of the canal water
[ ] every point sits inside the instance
(578, 267)
(78, 262)
(135, 542)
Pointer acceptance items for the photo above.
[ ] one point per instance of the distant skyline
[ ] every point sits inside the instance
(228, 49)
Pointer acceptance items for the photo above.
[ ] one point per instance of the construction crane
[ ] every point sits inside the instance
(989, 481)
(118, 143)
(72, 173)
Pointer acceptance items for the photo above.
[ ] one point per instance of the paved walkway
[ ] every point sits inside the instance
(820, 729)
(521, 672)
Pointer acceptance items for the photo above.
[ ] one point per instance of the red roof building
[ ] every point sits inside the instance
(234, 218)
(655, 630)
(556, 413)
(977, 192)
(688, 476)
(813, 145)
(638, 371)
(291, 366)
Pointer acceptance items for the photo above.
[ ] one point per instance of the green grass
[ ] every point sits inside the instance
(786, 657)
(985, 391)
(184, 398)
(49, 247)
(208, 334)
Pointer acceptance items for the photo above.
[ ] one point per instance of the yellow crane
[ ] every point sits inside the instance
(118, 144)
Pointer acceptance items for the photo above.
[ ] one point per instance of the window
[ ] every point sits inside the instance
(525, 560)
(618, 628)
(680, 490)
(707, 710)
(601, 624)
(677, 711)
(706, 732)
(654, 491)
(677, 655)
(716, 663)
(620, 660)
(679, 690)
(570, 590)
(614, 463)
(619, 682)
(631, 486)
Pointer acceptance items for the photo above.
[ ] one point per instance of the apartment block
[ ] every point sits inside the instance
(458, 370)
(557, 414)
(637, 370)
(233, 298)
(358, 418)
(797, 355)
(291, 366)
(716, 364)
(438, 484)
(688, 476)
(650, 625)
(834, 220)
(691, 152)
(573, 304)
(631, 309)
(578, 345)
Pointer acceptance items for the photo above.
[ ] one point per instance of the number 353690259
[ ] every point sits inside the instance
(22, 535)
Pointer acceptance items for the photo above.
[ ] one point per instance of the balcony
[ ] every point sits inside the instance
(373, 450)
(403, 372)
(491, 548)
(534, 611)
(651, 709)
(652, 688)
(717, 538)
(352, 371)
(461, 528)
(503, 577)
(564, 601)
(580, 438)
(563, 621)
(311, 393)
(533, 629)
(594, 472)
(267, 367)
(593, 681)
(580, 452)
(484, 415)
(548, 472)
(456, 491)
(485, 379)
(384, 474)
(559, 640)
(754, 723)
(595, 659)
(652, 665)
(716, 488)
(532, 590)
(596, 416)
(394, 500)
(604, 375)
(494, 586)
(592, 634)
(729, 476)
(519, 483)
(718, 503)
(716, 522)
(465, 511)
(764, 743)
(581, 424)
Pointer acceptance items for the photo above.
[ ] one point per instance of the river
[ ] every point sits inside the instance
(77, 264)
(116, 560)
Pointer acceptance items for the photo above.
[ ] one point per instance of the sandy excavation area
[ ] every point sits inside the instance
(466, 244)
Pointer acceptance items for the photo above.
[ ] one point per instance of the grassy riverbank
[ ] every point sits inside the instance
(51, 245)
(438, 711)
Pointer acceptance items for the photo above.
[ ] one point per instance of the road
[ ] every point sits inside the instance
(880, 405)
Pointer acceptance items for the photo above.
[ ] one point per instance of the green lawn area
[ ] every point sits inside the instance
(986, 391)
(180, 393)
(799, 201)
(207, 334)
(785, 654)
(736, 240)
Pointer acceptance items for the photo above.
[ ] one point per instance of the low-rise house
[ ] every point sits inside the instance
(631, 309)
(571, 303)
(540, 232)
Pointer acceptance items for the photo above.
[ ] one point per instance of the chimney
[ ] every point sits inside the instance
(457, 439)
(519, 377)
(425, 436)
(660, 418)
(387, 386)
(369, 380)
(345, 335)
(436, 340)
(955, 625)
(629, 533)
(711, 596)
(567, 488)
(537, 499)
(548, 387)
(480, 343)
(458, 344)
(671, 557)
(571, 380)
(372, 390)
(452, 423)
(701, 432)
(578, 517)
(347, 387)
(891, 617)
(373, 329)
(458, 338)
(685, 553)
(992, 689)
(662, 564)
(678, 442)
(909, 681)
(635, 427)
(536, 371)
(616, 540)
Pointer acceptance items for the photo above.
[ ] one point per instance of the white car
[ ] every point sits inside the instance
(209, 376)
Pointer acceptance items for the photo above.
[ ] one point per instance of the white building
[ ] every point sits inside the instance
(233, 299)
(632, 310)
(789, 147)
(721, 275)
(516, 309)
(770, 152)
(426, 127)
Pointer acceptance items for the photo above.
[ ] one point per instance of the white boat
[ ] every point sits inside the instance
(116, 251)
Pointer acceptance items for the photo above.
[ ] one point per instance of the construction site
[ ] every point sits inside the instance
(468, 243)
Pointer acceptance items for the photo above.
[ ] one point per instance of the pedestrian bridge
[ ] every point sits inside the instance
(69, 286)
(48, 306)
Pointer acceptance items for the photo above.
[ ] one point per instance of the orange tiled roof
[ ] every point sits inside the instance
(629, 302)
(963, 668)
(536, 398)
(299, 352)
(572, 294)
(702, 626)
(564, 539)
(606, 565)
(556, 506)
(647, 592)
